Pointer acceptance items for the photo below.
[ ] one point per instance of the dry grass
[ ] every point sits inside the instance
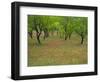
(56, 51)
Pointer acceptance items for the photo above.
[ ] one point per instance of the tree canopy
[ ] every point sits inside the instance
(64, 26)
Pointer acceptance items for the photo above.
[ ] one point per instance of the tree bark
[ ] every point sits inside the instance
(46, 34)
(69, 36)
(38, 33)
(30, 34)
(82, 39)
(66, 36)
(38, 38)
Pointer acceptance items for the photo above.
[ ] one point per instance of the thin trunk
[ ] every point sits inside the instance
(38, 33)
(57, 33)
(38, 38)
(66, 36)
(46, 34)
(52, 33)
(82, 39)
(30, 34)
(70, 35)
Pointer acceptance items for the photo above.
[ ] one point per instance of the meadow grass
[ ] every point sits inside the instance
(57, 51)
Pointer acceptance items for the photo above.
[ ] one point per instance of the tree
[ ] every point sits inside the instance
(53, 24)
(68, 26)
(64, 23)
(45, 23)
(81, 27)
(30, 26)
(38, 26)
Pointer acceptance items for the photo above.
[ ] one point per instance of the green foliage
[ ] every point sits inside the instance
(81, 25)
(63, 25)
(30, 23)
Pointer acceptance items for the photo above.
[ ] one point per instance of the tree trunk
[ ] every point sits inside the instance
(38, 33)
(38, 38)
(66, 36)
(82, 39)
(57, 33)
(46, 34)
(69, 36)
(30, 34)
(52, 33)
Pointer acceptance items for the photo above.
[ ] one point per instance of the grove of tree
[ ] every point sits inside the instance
(62, 26)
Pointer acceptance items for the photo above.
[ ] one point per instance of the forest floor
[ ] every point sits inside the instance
(57, 51)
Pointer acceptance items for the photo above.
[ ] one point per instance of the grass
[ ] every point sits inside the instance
(57, 51)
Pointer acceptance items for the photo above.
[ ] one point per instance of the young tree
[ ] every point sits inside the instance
(38, 26)
(70, 26)
(45, 23)
(63, 22)
(53, 24)
(67, 25)
(30, 26)
(81, 27)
